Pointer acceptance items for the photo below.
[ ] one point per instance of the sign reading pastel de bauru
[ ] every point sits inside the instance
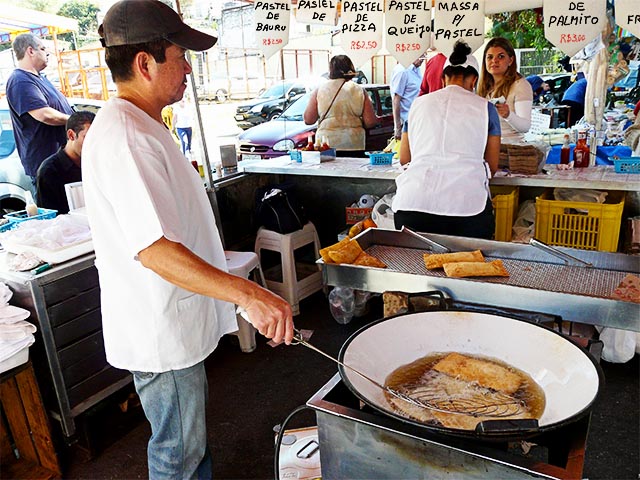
(361, 29)
(407, 29)
(272, 25)
(322, 12)
(571, 25)
(628, 15)
(455, 20)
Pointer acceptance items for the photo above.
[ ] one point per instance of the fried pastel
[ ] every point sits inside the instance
(347, 253)
(437, 260)
(494, 268)
(484, 373)
(324, 252)
(366, 260)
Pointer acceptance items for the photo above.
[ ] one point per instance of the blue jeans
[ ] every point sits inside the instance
(184, 134)
(174, 403)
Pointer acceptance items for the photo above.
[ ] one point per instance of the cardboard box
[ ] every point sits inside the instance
(354, 215)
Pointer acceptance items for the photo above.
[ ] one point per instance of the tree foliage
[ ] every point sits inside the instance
(85, 12)
(523, 28)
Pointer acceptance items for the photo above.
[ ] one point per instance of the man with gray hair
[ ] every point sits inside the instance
(39, 111)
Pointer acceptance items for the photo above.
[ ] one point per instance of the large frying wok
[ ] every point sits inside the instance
(568, 375)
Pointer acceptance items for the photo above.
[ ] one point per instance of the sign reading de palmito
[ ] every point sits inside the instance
(272, 25)
(628, 16)
(455, 20)
(323, 12)
(361, 29)
(570, 25)
(407, 29)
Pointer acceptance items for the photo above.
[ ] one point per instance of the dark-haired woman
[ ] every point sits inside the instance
(451, 143)
(342, 109)
(501, 83)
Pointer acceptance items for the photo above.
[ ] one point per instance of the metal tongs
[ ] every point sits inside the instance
(433, 246)
(558, 253)
(502, 406)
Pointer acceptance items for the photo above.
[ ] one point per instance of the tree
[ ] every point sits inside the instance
(523, 28)
(85, 13)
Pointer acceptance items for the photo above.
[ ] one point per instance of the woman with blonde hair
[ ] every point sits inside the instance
(501, 83)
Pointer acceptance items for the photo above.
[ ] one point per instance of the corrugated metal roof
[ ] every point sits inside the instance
(15, 20)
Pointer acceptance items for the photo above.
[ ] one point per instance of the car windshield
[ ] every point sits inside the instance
(296, 110)
(7, 142)
(276, 91)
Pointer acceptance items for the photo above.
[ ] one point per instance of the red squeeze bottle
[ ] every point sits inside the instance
(565, 152)
(581, 151)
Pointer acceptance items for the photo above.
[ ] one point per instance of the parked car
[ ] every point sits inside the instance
(627, 89)
(288, 131)
(558, 84)
(14, 183)
(269, 104)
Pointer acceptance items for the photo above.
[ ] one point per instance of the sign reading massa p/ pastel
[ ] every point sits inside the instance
(272, 25)
(361, 29)
(323, 12)
(571, 25)
(455, 20)
(628, 15)
(407, 29)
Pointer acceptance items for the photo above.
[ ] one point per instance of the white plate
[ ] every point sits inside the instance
(248, 156)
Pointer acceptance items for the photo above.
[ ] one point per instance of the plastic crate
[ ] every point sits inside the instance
(296, 155)
(585, 225)
(380, 158)
(21, 216)
(626, 164)
(505, 205)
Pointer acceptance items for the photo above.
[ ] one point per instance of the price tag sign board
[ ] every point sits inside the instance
(361, 29)
(455, 20)
(272, 25)
(628, 15)
(407, 29)
(320, 12)
(571, 25)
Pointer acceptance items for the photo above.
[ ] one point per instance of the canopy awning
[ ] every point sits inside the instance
(16, 20)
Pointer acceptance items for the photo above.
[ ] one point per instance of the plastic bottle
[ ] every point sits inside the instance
(581, 151)
(342, 304)
(309, 146)
(325, 144)
(565, 152)
(31, 207)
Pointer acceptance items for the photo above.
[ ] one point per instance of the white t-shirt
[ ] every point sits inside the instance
(447, 175)
(138, 187)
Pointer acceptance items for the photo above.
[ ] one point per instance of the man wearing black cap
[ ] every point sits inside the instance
(166, 296)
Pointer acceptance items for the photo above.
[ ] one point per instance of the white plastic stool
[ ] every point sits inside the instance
(242, 264)
(291, 288)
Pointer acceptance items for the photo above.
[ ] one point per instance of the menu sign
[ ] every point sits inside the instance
(323, 12)
(571, 25)
(455, 20)
(628, 16)
(407, 29)
(272, 25)
(361, 29)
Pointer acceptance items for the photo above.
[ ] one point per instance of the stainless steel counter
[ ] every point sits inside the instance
(600, 177)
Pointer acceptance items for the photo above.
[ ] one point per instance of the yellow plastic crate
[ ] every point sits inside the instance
(505, 206)
(585, 225)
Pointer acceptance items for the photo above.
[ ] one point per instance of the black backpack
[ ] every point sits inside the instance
(279, 211)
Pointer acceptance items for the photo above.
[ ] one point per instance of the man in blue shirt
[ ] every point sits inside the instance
(39, 111)
(574, 97)
(405, 85)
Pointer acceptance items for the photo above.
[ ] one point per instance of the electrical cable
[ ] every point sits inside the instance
(276, 460)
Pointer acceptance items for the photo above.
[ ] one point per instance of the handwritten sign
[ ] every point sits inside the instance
(323, 12)
(628, 16)
(455, 20)
(272, 25)
(361, 29)
(407, 29)
(570, 25)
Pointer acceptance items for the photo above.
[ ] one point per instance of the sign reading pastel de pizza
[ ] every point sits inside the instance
(455, 20)
(272, 18)
(322, 12)
(571, 25)
(361, 29)
(407, 29)
(628, 16)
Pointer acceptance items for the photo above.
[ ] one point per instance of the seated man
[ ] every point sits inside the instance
(63, 166)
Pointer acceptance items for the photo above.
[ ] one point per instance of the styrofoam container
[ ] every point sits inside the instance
(59, 255)
(15, 360)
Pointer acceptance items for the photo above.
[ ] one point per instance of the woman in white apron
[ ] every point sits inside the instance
(451, 143)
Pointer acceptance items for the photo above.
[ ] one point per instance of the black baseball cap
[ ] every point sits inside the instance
(139, 21)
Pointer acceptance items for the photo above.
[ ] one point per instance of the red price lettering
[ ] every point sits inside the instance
(363, 45)
(572, 38)
(408, 47)
(271, 41)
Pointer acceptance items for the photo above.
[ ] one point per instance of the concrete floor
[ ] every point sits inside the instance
(252, 393)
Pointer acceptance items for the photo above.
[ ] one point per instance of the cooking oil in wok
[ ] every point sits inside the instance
(451, 378)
